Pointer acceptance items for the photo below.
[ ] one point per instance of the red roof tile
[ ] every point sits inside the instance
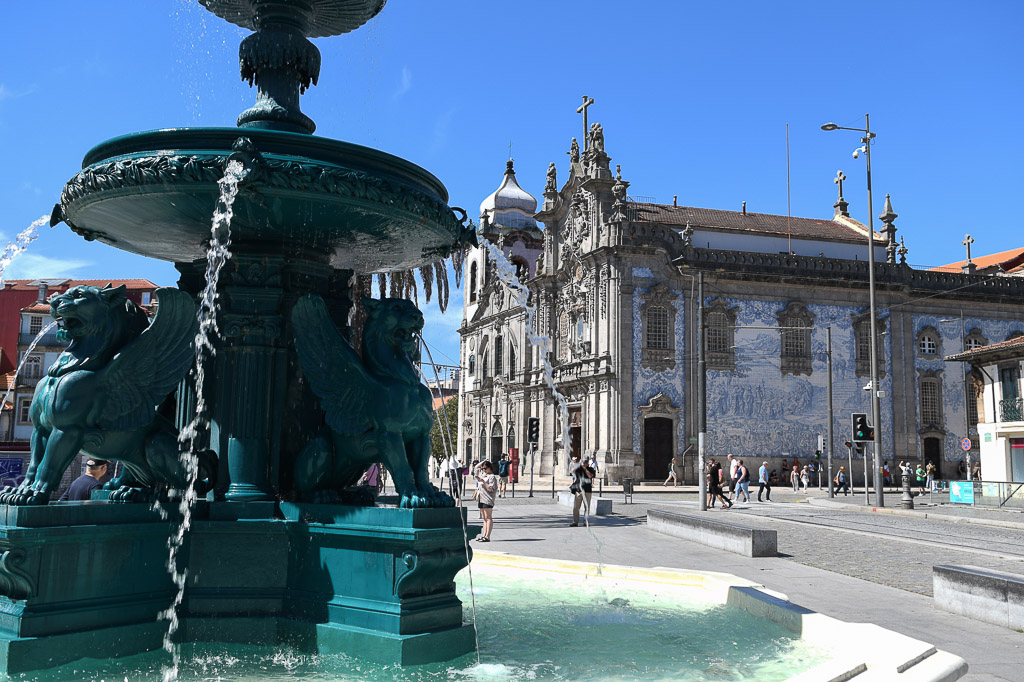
(26, 284)
(991, 260)
(768, 223)
(37, 308)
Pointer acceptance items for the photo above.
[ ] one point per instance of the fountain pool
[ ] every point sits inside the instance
(538, 620)
(547, 619)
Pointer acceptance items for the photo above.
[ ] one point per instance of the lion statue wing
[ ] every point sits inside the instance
(141, 375)
(334, 369)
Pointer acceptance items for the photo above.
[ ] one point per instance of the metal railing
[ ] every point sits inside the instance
(45, 340)
(1011, 410)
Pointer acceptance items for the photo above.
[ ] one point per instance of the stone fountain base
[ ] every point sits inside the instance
(90, 580)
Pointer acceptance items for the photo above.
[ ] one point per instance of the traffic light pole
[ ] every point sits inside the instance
(702, 402)
(533, 458)
(831, 419)
(873, 355)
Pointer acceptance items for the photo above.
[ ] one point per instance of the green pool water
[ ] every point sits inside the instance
(533, 626)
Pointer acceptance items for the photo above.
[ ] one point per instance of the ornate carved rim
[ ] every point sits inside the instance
(207, 169)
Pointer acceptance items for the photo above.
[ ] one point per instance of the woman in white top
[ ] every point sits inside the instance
(486, 487)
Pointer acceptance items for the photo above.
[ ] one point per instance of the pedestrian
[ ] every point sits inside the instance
(82, 487)
(671, 474)
(593, 465)
(742, 482)
(794, 477)
(486, 488)
(919, 472)
(784, 470)
(841, 482)
(503, 467)
(774, 477)
(452, 465)
(716, 478)
(582, 487)
(961, 469)
(977, 471)
(929, 471)
(371, 479)
(734, 464)
(886, 474)
(805, 478)
(764, 482)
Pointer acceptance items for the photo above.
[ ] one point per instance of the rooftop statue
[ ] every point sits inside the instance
(375, 406)
(101, 395)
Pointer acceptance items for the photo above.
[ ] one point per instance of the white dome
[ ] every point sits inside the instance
(510, 197)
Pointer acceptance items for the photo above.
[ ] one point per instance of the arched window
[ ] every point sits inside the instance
(657, 316)
(510, 438)
(657, 328)
(929, 343)
(862, 344)
(931, 400)
(511, 361)
(483, 447)
(498, 356)
(974, 339)
(720, 335)
(795, 353)
(33, 367)
(472, 282)
(469, 450)
(522, 269)
(472, 364)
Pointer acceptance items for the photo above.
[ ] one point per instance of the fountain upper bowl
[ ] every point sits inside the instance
(154, 193)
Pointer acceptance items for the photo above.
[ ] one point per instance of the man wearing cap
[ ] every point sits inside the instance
(82, 487)
(763, 482)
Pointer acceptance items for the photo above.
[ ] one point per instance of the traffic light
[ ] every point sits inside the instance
(859, 449)
(533, 429)
(862, 432)
(817, 454)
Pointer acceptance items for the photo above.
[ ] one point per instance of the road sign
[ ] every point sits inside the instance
(966, 444)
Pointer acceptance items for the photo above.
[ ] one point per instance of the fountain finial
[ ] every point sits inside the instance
(279, 59)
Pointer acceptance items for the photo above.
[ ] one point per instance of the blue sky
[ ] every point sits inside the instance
(694, 99)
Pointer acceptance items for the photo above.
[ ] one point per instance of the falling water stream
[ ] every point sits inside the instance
(450, 451)
(28, 353)
(506, 272)
(190, 437)
(20, 243)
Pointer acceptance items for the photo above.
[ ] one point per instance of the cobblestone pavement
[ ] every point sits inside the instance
(896, 551)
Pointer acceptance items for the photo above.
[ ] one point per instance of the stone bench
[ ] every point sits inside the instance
(599, 506)
(980, 593)
(731, 537)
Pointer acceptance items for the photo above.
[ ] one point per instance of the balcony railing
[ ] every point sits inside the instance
(46, 340)
(1011, 410)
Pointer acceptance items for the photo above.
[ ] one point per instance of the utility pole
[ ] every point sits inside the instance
(702, 398)
(831, 435)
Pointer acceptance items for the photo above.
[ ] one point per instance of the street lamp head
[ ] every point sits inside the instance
(830, 126)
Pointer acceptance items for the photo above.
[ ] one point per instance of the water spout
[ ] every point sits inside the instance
(20, 243)
(217, 255)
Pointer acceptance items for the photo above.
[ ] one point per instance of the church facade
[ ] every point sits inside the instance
(613, 282)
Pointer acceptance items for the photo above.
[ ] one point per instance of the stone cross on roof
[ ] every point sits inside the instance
(968, 268)
(841, 204)
(582, 109)
(968, 240)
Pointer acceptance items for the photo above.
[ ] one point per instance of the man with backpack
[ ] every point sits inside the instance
(503, 465)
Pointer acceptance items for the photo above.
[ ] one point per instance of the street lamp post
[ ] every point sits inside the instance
(875, 411)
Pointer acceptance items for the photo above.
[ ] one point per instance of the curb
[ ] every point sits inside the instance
(1014, 525)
